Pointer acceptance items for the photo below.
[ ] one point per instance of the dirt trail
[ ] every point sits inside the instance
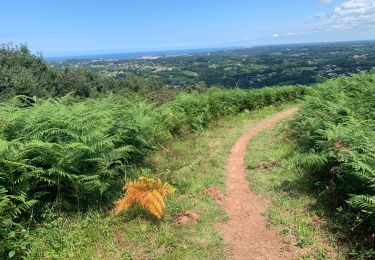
(246, 233)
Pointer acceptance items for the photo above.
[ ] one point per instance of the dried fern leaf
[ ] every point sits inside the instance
(146, 192)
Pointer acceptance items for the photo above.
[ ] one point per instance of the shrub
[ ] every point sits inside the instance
(334, 131)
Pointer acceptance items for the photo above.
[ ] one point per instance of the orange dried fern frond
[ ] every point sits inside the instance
(147, 192)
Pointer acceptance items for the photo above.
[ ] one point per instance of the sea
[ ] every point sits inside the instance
(131, 55)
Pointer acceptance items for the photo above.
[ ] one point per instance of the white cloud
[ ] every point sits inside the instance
(275, 35)
(352, 14)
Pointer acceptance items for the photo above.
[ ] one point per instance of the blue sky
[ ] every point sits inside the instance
(70, 27)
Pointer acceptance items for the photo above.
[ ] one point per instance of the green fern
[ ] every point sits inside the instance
(334, 133)
(364, 203)
(72, 154)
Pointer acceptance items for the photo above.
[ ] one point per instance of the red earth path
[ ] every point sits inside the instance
(246, 233)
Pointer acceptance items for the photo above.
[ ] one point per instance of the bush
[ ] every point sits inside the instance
(334, 131)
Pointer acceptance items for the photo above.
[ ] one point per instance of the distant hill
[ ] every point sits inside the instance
(245, 68)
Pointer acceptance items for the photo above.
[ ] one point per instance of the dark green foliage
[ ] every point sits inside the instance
(335, 132)
(71, 156)
(22, 73)
(12, 233)
(194, 111)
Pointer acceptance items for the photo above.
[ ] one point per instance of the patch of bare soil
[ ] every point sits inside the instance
(187, 217)
(214, 193)
(246, 233)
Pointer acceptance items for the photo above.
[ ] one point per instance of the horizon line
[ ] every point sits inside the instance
(96, 53)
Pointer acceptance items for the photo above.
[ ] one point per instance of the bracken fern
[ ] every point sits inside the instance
(147, 192)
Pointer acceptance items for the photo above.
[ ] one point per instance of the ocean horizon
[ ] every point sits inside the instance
(133, 55)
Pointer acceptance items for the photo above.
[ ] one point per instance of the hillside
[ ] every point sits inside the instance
(65, 159)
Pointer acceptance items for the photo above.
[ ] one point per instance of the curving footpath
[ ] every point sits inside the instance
(246, 233)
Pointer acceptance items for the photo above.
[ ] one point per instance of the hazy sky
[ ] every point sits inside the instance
(69, 27)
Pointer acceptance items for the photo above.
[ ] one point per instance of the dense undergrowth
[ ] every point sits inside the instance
(60, 154)
(334, 131)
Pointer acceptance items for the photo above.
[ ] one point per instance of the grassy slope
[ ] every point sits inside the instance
(194, 163)
(293, 209)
